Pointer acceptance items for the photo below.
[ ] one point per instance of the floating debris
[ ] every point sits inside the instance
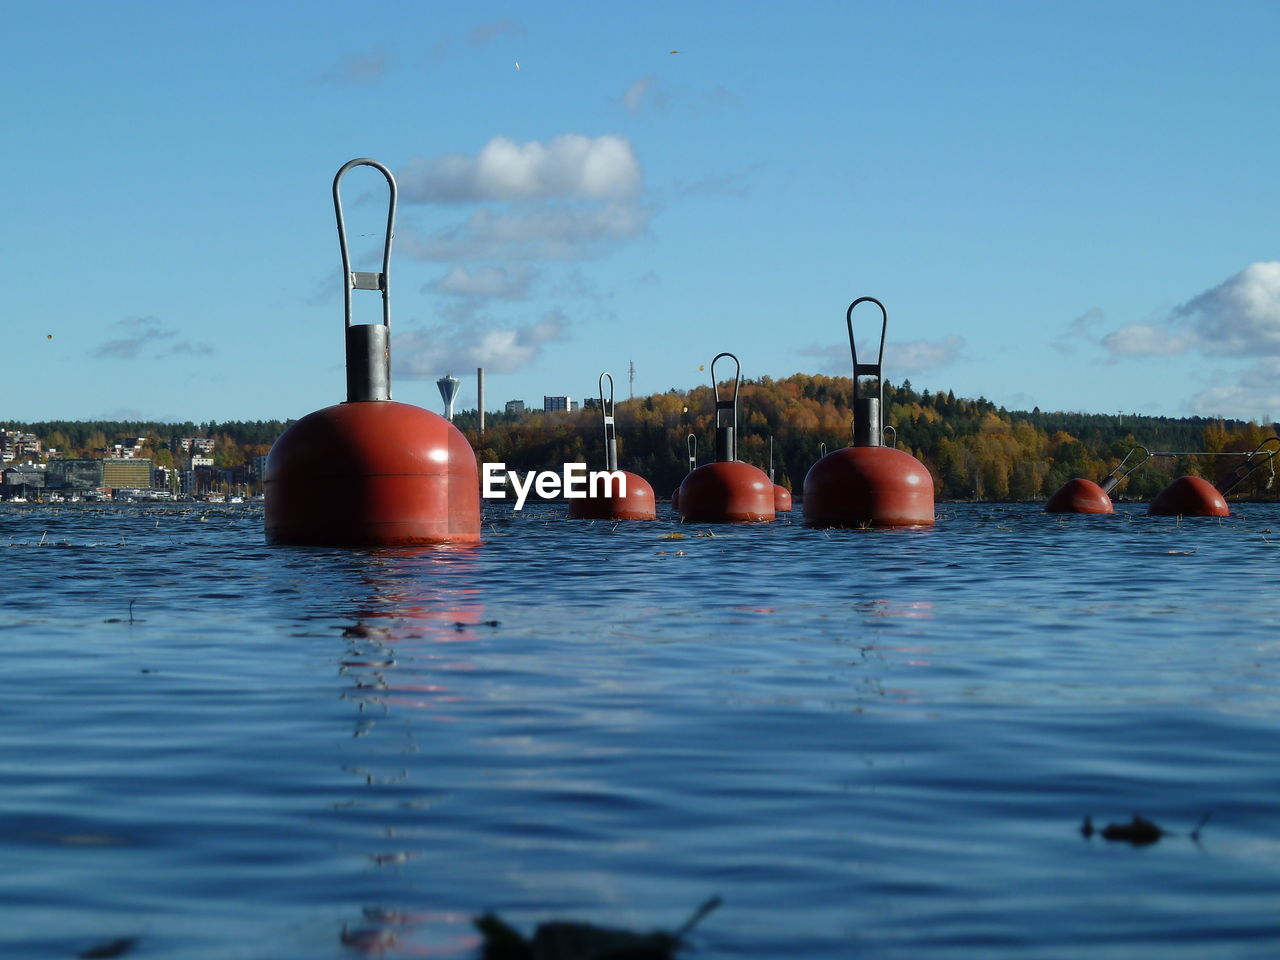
(112, 948)
(565, 940)
(1139, 831)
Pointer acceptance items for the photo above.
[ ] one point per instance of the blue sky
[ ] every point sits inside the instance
(1063, 205)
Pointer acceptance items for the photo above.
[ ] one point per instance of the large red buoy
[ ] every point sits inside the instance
(633, 498)
(868, 484)
(1189, 497)
(1079, 496)
(727, 491)
(371, 472)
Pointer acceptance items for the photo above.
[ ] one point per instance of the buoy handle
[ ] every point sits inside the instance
(1256, 458)
(692, 443)
(866, 410)
(885, 434)
(610, 430)
(726, 433)
(368, 345)
(1118, 475)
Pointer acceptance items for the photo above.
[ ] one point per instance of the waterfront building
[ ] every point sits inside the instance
(75, 474)
(126, 472)
(552, 404)
(515, 407)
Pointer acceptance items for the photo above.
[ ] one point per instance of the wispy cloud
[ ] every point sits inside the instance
(147, 336)
(571, 165)
(647, 93)
(500, 283)
(530, 233)
(486, 33)
(904, 357)
(425, 353)
(359, 70)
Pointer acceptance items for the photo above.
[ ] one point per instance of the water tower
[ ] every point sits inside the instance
(448, 389)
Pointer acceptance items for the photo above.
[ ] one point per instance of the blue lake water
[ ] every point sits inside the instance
(868, 743)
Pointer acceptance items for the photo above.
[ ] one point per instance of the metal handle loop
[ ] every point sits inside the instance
(726, 433)
(866, 410)
(1236, 476)
(692, 443)
(1120, 474)
(355, 280)
(867, 369)
(610, 430)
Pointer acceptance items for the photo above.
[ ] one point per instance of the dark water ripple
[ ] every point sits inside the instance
(869, 743)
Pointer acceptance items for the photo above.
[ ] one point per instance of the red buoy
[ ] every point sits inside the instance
(868, 487)
(639, 502)
(1189, 497)
(781, 498)
(371, 472)
(727, 491)
(868, 484)
(675, 499)
(1085, 496)
(1079, 496)
(633, 499)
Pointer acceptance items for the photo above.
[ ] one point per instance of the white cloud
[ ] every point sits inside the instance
(429, 353)
(568, 166)
(1241, 316)
(1146, 340)
(1253, 395)
(501, 283)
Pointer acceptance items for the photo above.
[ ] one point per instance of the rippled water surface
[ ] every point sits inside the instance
(868, 743)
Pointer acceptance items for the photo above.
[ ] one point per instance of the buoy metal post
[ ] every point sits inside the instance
(868, 484)
(370, 471)
(726, 491)
(368, 344)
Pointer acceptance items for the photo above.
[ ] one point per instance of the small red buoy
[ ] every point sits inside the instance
(781, 495)
(1079, 496)
(675, 499)
(371, 472)
(1189, 497)
(635, 501)
(640, 502)
(1085, 496)
(868, 484)
(781, 498)
(727, 491)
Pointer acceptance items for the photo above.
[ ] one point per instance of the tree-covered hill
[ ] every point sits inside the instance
(973, 449)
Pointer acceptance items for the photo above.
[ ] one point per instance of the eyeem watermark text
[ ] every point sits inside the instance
(574, 482)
